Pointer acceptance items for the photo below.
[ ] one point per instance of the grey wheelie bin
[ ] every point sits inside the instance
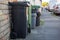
(33, 18)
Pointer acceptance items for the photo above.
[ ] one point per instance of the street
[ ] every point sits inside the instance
(29, 20)
(50, 30)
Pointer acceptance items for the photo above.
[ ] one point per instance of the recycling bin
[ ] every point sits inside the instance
(33, 18)
(19, 19)
(29, 19)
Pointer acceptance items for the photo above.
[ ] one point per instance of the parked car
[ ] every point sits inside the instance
(50, 9)
(57, 9)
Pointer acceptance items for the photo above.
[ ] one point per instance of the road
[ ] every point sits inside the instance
(50, 30)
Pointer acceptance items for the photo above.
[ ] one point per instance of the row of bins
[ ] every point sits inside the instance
(19, 19)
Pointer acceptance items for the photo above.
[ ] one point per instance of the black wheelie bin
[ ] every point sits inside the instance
(19, 19)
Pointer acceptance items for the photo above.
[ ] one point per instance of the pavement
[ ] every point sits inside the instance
(50, 30)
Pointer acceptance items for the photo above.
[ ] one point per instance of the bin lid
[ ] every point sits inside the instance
(24, 3)
(35, 6)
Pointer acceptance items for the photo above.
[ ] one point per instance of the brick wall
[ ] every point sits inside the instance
(4, 20)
